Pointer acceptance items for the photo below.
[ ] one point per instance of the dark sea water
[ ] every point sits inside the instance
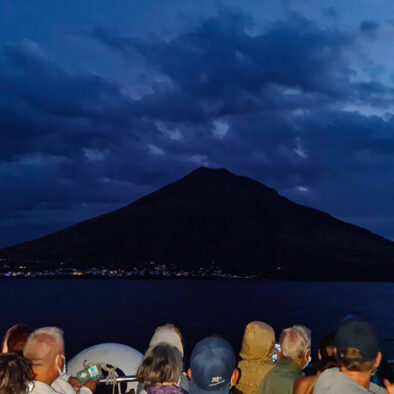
(127, 311)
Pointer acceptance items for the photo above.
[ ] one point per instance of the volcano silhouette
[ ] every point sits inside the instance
(212, 215)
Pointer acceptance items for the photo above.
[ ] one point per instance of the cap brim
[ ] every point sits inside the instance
(194, 389)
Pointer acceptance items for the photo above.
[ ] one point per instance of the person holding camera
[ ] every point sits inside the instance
(294, 356)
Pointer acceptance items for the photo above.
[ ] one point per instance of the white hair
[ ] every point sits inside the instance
(294, 342)
(53, 332)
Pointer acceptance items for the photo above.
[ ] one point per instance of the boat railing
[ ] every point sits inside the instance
(133, 378)
(120, 379)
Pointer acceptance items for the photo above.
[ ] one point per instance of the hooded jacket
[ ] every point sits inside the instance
(332, 381)
(258, 346)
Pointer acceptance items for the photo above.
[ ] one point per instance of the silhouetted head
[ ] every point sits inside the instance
(161, 364)
(16, 374)
(168, 333)
(295, 345)
(357, 346)
(212, 367)
(45, 349)
(15, 339)
(326, 354)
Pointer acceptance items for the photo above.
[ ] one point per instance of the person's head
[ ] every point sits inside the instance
(357, 347)
(212, 367)
(16, 374)
(295, 345)
(170, 334)
(15, 339)
(161, 364)
(45, 348)
(326, 354)
(258, 342)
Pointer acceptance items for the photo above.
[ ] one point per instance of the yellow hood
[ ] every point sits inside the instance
(257, 349)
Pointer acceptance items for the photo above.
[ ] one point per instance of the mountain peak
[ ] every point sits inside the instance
(212, 185)
(209, 173)
(213, 215)
(206, 170)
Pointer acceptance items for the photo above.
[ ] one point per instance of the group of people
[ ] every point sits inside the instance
(34, 362)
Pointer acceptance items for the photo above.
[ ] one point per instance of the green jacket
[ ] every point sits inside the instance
(281, 378)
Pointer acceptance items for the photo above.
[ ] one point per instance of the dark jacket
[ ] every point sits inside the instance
(160, 389)
(280, 379)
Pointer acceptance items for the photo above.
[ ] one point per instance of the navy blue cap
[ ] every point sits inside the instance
(212, 364)
(359, 335)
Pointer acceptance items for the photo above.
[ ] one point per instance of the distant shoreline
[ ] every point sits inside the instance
(80, 277)
(175, 279)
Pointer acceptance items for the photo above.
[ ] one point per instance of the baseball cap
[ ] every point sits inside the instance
(357, 334)
(212, 364)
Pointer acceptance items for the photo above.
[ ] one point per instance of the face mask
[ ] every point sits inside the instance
(29, 387)
(308, 362)
(61, 372)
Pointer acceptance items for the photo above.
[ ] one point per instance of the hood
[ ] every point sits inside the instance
(257, 348)
(258, 342)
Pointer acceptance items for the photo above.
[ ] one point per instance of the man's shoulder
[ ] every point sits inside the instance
(332, 381)
(286, 370)
(278, 380)
(374, 388)
(269, 377)
(42, 388)
(63, 387)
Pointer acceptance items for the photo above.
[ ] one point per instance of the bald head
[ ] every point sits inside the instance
(44, 348)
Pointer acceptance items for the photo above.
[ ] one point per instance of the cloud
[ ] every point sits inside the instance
(171, 133)
(93, 154)
(274, 105)
(330, 12)
(219, 58)
(110, 37)
(369, 28)
(155, 150)
(220, 128)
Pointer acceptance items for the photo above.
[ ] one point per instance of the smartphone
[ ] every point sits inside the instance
(93, 372)
(276, 350)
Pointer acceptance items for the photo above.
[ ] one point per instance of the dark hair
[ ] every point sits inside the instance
(162, 363)
(16, 337)
(15, 374)
(327, 354)
(352, 361)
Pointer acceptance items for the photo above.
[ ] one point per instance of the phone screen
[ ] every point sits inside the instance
(275, 355)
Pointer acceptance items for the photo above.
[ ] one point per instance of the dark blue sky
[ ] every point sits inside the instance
(104, 101)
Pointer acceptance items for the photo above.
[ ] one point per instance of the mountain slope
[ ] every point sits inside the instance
(214, 215)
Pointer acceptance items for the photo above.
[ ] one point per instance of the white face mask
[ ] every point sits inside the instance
(309, 359)
(61, 372)
(308, 362)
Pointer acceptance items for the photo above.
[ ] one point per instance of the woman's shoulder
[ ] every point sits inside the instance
(165, 389)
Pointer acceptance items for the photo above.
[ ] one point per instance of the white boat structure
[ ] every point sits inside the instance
(119, 363)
